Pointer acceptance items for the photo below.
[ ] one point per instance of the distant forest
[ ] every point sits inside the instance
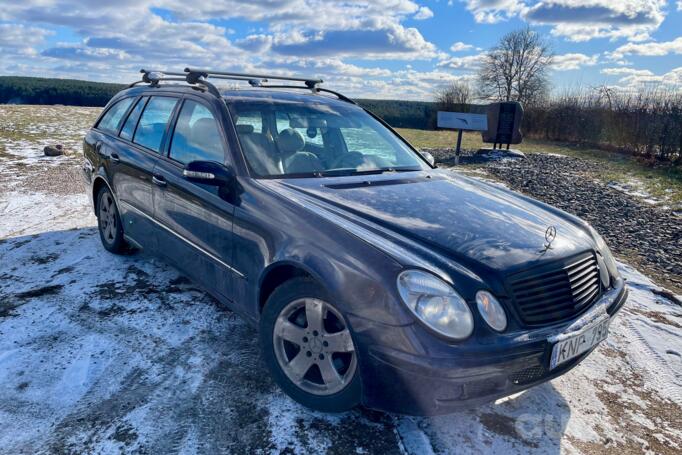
(35, 90)
(38, 90)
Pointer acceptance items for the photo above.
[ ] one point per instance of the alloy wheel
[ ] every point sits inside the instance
(107, 218)
(314, 347)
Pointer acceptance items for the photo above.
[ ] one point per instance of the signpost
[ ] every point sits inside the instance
(504, 124)
(461, 122)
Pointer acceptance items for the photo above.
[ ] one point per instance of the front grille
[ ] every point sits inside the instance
(556, 294)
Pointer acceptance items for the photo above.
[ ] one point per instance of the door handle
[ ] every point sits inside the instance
(159, 180)
(115, 158)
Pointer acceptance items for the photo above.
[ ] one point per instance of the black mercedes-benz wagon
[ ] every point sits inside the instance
(373, 277)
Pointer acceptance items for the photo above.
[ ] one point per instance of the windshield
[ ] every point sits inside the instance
(286, 138)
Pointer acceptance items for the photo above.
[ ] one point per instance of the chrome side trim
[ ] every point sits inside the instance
(184, 239)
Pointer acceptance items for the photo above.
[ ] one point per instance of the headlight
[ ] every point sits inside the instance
(605, 252)
(436, 304)
(491, 310)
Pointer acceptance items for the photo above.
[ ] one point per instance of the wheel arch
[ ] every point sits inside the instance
(279, 273)
(97, 184)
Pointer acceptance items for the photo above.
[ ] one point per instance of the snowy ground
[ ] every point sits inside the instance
(107, 354)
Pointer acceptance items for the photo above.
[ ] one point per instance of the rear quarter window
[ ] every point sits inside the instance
(111, 120)
(130, 124)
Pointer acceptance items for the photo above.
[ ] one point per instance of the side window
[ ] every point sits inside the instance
(133, 117)
(149, 132)
(113, 116)
(196, 135)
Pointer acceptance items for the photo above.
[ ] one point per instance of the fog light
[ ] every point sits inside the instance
(491, 310)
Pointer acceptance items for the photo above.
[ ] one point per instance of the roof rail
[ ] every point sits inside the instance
(195, 76)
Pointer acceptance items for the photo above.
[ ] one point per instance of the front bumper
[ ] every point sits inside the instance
(406, 383)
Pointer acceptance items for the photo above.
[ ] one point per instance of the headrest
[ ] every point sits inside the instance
(290, 141)
(204, 126)
(244, 129)
(205, 134)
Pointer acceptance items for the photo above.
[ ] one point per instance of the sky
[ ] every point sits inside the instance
(396, 49)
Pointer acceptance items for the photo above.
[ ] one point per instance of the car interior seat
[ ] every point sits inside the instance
(260, 151)
(296, 161)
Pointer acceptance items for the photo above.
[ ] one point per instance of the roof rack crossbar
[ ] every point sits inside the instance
(196, 77)
(309, 82)
(153, 77)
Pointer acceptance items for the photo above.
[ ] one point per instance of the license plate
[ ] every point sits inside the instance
(572, 347)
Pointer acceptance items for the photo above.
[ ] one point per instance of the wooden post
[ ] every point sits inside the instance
(459, 146)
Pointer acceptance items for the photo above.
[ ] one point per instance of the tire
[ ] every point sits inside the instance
(109, 223)
(291, 345)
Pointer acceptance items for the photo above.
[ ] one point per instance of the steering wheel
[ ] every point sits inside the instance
(349, 160)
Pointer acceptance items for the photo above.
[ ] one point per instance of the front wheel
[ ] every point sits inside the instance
(308, 347)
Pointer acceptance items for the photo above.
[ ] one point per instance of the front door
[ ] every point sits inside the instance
(197, 218)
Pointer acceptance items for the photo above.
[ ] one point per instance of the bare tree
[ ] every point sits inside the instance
(454, 97)
(516, 68)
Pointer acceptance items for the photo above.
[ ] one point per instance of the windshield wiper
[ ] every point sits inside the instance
(351, 171)
(400, 169)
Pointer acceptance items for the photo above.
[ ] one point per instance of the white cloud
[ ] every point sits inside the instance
(582, 20)
(625, 72)
(424, 12)
(467, 63)
(300, 36)
(326, 68)
(632, 80)
(639, 81)
(649, 49)
(304, 36)
(304, 28)
(283, 14)
(573, 61)
(492, 11)
(21, 40)
(390, 41)
(460, 47)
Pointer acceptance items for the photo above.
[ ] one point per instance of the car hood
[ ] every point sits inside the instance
(462, 218)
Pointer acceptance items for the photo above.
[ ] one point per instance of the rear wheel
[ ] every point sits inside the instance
(109, 223)
(308, 347)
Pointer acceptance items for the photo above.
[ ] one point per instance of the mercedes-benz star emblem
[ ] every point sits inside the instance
(550, 235)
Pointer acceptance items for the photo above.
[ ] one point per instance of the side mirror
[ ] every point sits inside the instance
(208, 173)
(428, 157)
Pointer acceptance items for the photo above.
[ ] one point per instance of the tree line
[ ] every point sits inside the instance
(37, 90)
(34, 90)
(646, 124)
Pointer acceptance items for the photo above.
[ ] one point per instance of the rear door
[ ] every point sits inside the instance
(141, 140)
(197, 217)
